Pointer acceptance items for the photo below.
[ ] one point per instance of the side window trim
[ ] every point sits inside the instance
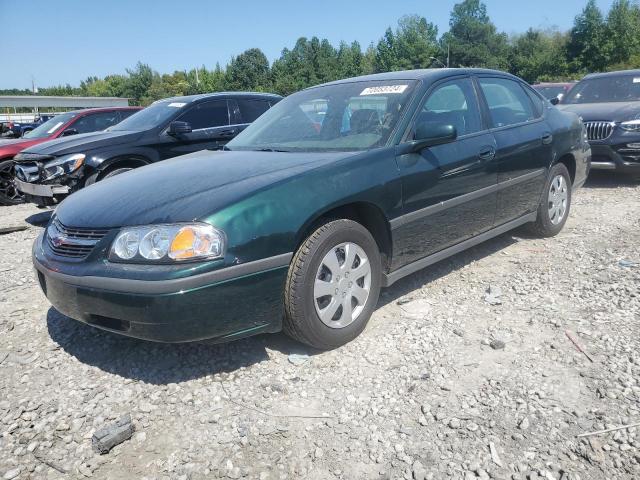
(486, 104)
(484, 127)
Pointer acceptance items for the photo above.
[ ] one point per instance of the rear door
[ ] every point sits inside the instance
(249, 109)
(448, 190)
(524, 144)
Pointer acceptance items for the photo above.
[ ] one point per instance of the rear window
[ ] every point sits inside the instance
(251, 109)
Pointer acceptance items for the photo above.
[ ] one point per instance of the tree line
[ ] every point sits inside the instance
(596, 42)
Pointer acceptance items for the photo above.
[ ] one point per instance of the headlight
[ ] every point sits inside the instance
(631, 125)
(63, 165)
(168, 243)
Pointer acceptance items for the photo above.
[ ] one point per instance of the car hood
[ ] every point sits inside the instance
(11, 146)
(184, 188)
(610, 112)
(83, 142)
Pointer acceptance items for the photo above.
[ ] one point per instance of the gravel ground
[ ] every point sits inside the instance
(465, 371)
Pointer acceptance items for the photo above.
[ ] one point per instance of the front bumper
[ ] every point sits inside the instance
(39, 190)
(618, 158)
(223, 305)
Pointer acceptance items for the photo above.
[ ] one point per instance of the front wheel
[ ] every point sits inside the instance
(333, 285)
(554, 207)
(9, 195)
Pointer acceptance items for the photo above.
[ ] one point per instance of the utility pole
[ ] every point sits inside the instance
(448, 53)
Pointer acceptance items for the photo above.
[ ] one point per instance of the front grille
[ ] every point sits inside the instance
(599, 130)
(72, 242)
(27, 172)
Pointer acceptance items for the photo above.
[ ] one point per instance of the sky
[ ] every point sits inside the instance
(66, 41)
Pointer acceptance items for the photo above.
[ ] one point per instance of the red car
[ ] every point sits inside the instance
(70, 123)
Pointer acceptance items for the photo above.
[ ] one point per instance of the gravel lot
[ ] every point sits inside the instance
(448, 381)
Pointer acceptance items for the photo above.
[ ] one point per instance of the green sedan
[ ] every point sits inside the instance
(334, 193)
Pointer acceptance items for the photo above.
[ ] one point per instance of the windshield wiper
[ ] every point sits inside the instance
(271, 150)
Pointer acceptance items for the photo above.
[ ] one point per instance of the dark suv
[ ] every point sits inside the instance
(48, 173)
(609, 104)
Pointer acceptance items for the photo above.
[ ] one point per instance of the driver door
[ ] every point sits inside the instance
(449, 191)
(211, 129)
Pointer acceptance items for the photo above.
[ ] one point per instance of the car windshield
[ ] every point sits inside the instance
(153, 116)
(621, 88)
(51, 126)
(342, 117)
(551, 92)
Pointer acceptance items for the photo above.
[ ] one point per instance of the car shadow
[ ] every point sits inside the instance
(39, 219)
(449, 265)
(605, 179)
(161, 363)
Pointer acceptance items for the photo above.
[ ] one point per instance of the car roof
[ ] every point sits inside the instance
(613, 74)
(203, 96)
(87, 111)
(430, 74)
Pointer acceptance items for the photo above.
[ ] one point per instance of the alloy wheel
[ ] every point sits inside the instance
(558, 198)
(342, 285)
(8, 191)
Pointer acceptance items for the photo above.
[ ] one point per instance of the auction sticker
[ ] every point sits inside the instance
(177, 104)
(636, 80)
(384, 90)
(55, 127)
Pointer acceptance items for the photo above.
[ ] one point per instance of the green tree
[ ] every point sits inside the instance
(412, 45)
(587, 48)
(539, 56)
(622, 32)
(138, 82)
(248, 71)
(473, 40)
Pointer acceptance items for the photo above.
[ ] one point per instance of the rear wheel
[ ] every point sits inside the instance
(9, 195)
(554, 207)
(333, 285)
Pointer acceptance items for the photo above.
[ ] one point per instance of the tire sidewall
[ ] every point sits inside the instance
(543, 213)
(345, 231)
(9, 201)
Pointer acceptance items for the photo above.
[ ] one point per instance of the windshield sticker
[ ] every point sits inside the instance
(177, 104)
(636, 80)
(55, 127)
(384, 89)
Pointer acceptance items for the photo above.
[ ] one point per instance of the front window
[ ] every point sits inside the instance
(154, 115)
(51, 126)
(621, 88)
(551, 92)
(344, 117)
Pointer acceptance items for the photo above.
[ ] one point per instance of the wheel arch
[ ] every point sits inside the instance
(569, 161)
(368, 214)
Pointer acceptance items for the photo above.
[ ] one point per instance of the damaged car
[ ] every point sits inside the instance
(297, 224)
(48, 173)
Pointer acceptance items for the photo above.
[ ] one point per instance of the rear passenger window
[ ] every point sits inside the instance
(452, 103)
(508, 103)
(207, 115)
(252, 109)
(95, 122)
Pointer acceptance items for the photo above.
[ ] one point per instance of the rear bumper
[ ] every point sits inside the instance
(223, 310)
(604, 157)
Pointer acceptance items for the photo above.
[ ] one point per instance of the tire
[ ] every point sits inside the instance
(322, 259)
(9, 195)
(115, 172)
(551, 214)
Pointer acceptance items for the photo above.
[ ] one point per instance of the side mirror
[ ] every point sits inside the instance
(179, 128)
(430, 134)
(69, 131)
(555, 101)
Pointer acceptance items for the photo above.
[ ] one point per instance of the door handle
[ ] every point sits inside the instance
(547, 138)
(487, 153)
(227, 133)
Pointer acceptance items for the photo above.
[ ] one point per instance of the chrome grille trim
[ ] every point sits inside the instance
(599, 130)
(72, 242)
